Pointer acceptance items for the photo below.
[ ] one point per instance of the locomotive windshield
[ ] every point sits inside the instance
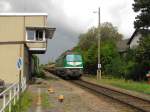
(72, 57)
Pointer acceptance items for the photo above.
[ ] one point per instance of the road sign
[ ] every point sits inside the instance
(99, 65)
(19, 63)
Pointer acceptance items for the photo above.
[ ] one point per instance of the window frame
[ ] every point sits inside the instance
(73, 57)
(44, 34)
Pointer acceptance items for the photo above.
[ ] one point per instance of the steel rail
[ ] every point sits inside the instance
(138, 103)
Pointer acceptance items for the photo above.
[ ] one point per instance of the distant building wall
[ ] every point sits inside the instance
(134, 43)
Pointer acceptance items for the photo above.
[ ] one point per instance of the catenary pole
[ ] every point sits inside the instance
(99, 39)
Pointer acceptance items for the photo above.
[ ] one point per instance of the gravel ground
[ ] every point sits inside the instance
(76, 99)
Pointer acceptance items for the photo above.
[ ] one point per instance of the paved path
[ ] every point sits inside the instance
(37, 100)
(39, 108)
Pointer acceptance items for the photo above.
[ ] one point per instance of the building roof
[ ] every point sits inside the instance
(23, 14)
(141, 31)
(133, 35)
(122, 45)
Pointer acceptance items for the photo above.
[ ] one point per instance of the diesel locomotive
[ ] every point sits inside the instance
(69, 65)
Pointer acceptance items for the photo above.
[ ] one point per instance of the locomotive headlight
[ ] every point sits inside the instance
(74, 63)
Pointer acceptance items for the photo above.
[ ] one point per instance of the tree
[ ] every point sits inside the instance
(88, 46)
(37, 70)
(143, 56)
(87, 39)
(108, 31)
(110, 58)
(142, 20)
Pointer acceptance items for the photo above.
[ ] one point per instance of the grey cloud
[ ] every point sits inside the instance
(123, 17)
(4, 6)
(65, 36)
(116, 12)
(69, 28)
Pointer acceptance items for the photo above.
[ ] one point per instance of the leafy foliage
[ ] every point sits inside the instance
(87, 46)
(109, 32)
(37, 70)
(143, 55)
(133, 65)
(138, 60)
(142, 20)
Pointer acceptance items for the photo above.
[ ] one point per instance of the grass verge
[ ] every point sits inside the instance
(141, 87)
(26, 100)
(46, 101)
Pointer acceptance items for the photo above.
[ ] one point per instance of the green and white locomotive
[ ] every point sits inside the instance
(69, 65)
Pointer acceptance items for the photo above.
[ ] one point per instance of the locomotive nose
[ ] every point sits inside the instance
(68, 71)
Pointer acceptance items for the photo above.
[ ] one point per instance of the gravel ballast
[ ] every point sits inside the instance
(76, 99)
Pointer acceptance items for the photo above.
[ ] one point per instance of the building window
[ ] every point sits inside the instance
(30, 34)
(35, 35)
(39, 35)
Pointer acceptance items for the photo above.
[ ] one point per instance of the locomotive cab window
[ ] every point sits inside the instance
(73, 58)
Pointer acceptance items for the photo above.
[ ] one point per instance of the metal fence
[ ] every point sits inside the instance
(10, 95)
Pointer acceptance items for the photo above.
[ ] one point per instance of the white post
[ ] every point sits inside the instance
(14, 95)
(23, 85)
(4, 100)
(10, 98)
(17, 91)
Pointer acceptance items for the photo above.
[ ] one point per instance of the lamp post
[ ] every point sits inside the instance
(99, 39)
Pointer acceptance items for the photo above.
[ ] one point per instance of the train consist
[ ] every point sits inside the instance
(69, 65)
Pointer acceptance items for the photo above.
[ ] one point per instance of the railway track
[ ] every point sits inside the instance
(140, 104)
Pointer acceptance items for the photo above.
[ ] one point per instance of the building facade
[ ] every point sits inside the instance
(133, 41)
(136, 36)
(21, 35)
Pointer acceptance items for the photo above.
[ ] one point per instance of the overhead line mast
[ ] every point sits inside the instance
(99, 39)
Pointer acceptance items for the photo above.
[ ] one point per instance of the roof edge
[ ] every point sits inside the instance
(23, 14)
(131, 38)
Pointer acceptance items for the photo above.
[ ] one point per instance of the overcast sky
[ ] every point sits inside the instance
(73, 17)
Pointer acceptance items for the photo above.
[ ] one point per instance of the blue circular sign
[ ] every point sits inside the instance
(19, 63)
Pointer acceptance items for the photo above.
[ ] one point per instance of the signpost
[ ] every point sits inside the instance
(19, 66)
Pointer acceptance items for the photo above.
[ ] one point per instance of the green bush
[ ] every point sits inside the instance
(37, 70)
(26, 101)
